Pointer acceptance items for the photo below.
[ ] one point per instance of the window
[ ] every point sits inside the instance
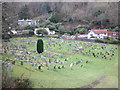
(91, 34)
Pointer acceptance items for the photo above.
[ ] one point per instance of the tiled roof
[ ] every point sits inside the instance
(99, 31)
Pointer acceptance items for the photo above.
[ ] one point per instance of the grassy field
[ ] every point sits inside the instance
(82, 74)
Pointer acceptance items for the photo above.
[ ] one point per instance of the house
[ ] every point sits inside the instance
(14, 32)
(47, 29)
(98, 33)
(27, 22)
(52, 32)
(83, 36)
(113, 34)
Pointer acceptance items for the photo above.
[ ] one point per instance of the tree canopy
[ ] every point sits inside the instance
(24, 13)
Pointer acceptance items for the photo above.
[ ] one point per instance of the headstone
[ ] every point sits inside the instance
(49, 60)
(48, 68)
(63, 66)
(13, 62)
(32, 64)
(39, 67)
(65, 59)
(71, 65)
(87, 61)
(81, 65)
(36, 64)
(110, 59)
(13, 52)
(9, 64)
(21, 62)
(55, 67)
(59, 67)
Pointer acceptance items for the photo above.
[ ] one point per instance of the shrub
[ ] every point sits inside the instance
(31, 32)
(80, 30)
(31, 27)
(116, 29)
(107, 38)
(98, 12)
(51, 27)
(92, 37)
(6, 36)
(23, 83)
(100, 41)
(42, 31)
(114, 42)
(40, 46)
(54, 18)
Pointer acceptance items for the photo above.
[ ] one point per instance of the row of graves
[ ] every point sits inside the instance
(58, 54)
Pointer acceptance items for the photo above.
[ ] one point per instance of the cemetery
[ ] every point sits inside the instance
(61, 63)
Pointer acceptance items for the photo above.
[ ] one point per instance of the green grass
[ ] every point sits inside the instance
(64, 78)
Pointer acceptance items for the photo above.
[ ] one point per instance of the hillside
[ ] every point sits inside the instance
(70, 14)
(77, 12)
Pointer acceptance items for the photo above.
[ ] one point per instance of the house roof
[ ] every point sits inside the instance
(99, 31)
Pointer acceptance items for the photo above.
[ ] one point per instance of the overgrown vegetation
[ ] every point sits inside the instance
(42, 31)
(54, 18)
(30, 27)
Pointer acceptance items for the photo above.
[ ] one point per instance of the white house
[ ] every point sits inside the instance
(52, 32)
(97, 33)
(27, 22)
(83, 36)
(14, 32)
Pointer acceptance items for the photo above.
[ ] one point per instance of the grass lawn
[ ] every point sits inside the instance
(59, 50)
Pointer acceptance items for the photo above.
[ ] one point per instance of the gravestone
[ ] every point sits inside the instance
(55, 67)
(21, 62)
(13, 62)
(32, 64)
(59, 67)
(39, 67)
(63, 66)
(81, 65)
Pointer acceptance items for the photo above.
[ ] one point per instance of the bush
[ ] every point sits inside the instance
(99, 41)
(51, 27)
(109, 42)
(31, 27)
(116, 29)
(54, 18)
(31, 33)
(80, 30)
(6, 36)
(114, 42)
(23, 83)
(42, 31)
(92, 37)
(107, 38)
(40, 46)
